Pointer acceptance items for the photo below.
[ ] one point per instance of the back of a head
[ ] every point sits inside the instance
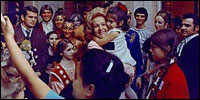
(110, 84)
(165, 37)
(177, 21)
(141, 10)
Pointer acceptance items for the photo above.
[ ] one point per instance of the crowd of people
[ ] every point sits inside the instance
(99, 55)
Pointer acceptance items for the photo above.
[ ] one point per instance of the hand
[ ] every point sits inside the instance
(130, 70)
(139, 82)
(146, 76)
(2, 19)
(38, 74)
(6, 26)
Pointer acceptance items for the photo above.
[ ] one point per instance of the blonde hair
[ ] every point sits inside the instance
(98, 11)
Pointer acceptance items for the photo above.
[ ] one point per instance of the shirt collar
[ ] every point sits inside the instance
(24, 30)
(191, 37)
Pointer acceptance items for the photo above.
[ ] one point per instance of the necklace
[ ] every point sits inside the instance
(69, 67)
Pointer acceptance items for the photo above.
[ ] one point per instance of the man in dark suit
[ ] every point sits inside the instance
(188, 53)
(27, 31)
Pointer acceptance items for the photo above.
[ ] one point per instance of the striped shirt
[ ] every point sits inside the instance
(143, 34)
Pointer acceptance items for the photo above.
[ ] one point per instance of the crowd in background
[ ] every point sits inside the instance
(98, 55)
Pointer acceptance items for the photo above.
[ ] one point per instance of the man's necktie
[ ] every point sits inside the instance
(28, 34)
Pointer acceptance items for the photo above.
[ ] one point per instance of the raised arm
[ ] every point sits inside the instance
(37, 86)
(106, 39)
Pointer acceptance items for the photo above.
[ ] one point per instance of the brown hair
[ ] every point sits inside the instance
(165, 15)
(164, 38)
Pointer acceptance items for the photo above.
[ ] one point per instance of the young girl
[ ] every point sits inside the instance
(68, 32)
(162, 21)
(64, 72)
(118, 45)
(169, 81)
(117, 22)
(51, 38)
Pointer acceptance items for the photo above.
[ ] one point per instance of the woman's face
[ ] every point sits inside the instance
(77, 22)
(46, 15)
(140, 18)
(69, 52)
(159, 23)
(52, 38)
(99, 26)
(157, 53)
(59, 20)
(68, 29)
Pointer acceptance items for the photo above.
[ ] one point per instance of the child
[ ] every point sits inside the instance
(115, 39)
(51, 38)
(68, 32)
(64, 72)
(169, 81)
(117, 22)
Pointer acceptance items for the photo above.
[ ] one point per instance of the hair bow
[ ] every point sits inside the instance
(122, 7)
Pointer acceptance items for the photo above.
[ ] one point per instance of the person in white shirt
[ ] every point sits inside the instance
(46, 24)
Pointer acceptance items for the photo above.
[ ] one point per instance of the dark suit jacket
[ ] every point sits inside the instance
(189, 63)
(39, 47)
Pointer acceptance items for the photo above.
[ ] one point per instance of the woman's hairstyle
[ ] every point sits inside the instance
(142, 10)
(78, 16)
(166, 16)
(50, 33)
(46, 7)
(94, 70)
(59, 10)
(96, 12)
(177, 21)
(119, 13)
(60, 47)
(54, 18)
(164, 38)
